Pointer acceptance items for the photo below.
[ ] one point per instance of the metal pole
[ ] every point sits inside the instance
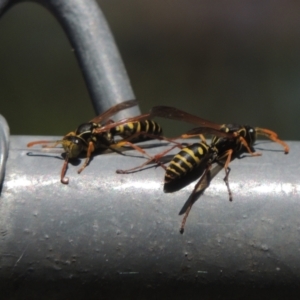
(4, 146)
(96, 51)
(117, 236)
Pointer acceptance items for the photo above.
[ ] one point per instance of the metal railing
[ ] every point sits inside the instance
(105, 229)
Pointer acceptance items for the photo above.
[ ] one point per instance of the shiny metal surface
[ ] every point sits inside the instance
(4, 146)
(95, 49)
(105, 230)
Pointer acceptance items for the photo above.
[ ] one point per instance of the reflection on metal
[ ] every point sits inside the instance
(105, 229)
(4, 144)
(95, 48)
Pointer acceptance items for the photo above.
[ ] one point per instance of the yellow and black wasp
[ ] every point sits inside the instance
(100, 132)
(228, 141)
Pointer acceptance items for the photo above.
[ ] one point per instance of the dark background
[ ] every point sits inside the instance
(227, 61)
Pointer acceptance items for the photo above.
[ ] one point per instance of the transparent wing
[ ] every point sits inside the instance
(121, 122)
(113, 110)
(177, 114)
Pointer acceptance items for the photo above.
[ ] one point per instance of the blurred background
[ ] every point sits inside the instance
(226, 61)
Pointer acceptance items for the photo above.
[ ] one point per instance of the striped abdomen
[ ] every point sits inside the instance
(187, 160)
(134, 128)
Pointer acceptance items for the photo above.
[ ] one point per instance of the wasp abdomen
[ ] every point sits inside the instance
(144, 127)
(186, 160)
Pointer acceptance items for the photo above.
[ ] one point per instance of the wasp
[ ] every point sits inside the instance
(228, 141)
(95, 135)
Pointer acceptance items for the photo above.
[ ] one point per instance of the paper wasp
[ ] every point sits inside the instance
(228, 142)
(89, 137)
(195, 161)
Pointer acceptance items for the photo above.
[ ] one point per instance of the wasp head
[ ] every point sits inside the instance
(73, 145)
(250, 135)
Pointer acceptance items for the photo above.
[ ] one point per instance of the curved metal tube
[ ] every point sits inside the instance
(96, 51)
(106, 230)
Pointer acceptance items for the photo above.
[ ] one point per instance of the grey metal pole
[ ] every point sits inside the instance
(4, 147)
(107, 235)
(95, 49)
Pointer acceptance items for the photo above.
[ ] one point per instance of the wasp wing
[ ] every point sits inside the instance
(121, 122)
(200, 187)
(177, 114)
(113, 110)
(201, 130)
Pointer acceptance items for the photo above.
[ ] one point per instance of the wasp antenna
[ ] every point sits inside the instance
(54, 144)
(273, 136)
(45, 144)
(37, 143)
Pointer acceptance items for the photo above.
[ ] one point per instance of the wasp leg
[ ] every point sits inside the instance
(90, 150)
(155, 158)
(245, 144)
(274, 137)
(228, 155)
(227, 171)
(152, 136)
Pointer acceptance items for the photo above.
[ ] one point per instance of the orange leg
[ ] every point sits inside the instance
(245, 144)
(155, 158)
(274, 137)
(228, 155)
(152, 136)
(227, 171)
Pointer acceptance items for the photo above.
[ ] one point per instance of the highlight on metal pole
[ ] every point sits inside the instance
(4, 147)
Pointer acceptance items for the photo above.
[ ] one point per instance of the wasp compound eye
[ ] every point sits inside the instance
(73, 146)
